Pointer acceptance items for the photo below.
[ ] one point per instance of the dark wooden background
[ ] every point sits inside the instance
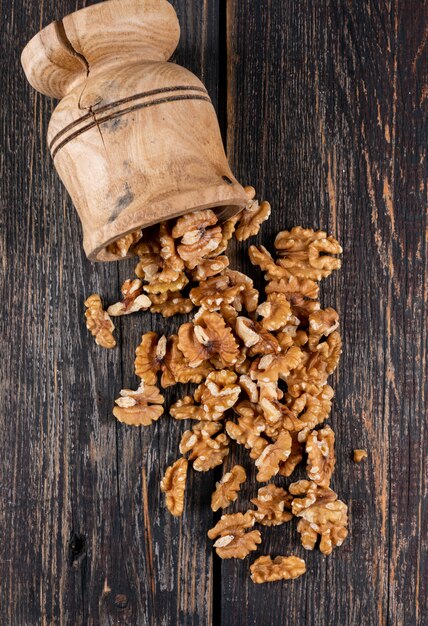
(323, 107)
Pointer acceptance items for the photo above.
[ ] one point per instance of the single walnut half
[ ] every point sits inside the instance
(133, 299)
(98, 322)
(207, 337)
(322, 515)
(139, 408)
(306, 253)
(173, 485)
(198, 220)
(252, 217)
(271, 502)
(198, 236)
(233, 541)
(121, 246)
(206, 452)
(210, 267)
(321, 324)
(321, 458)
(264, 570)
(217, 394)
(149, 357)
(213, 292)
(359, 455)
(227, 488)
(271, 457)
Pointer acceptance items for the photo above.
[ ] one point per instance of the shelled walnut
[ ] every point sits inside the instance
(140, 407)
(149, 357)
(206, 451)
(173, 304)
(265, 570)
(133, 299)
(227, 488)
(98, 322)
(273, 506)
(268, 462)
(121, 246)
(322, 515)
(206, 337)
(252, 217)
(199, 235)
(232, 539)
(261, 365)
(359, 455)
(306, 253)
(173, 485)
(321, 458)
(217, 394)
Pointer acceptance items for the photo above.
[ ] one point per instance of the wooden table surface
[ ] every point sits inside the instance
(323, 109)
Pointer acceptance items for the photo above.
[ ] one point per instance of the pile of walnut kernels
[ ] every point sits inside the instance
(261, 368)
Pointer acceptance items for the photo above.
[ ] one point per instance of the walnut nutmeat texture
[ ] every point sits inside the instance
(173, 485)
(227, 488)
(261, 366)
(98, 322)
(233, 537)
(264, 569)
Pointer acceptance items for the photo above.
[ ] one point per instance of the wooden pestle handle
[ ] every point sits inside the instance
(96, 38)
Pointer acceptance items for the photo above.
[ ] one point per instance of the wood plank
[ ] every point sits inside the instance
(325, 118)
(85, 535)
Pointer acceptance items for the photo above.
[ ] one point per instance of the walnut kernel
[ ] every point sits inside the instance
(264, 569)
(173, 485)
(233, 542)
(98, 322)
(133, 299)
(140, 407)
(360, 455)
(227, 488)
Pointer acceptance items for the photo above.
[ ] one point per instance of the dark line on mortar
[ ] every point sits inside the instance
(112, 116)
(112, 105)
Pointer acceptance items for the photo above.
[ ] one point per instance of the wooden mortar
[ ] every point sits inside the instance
(134, 139)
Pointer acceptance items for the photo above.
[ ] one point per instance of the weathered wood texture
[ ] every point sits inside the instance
(327, 117)
(326, 111)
